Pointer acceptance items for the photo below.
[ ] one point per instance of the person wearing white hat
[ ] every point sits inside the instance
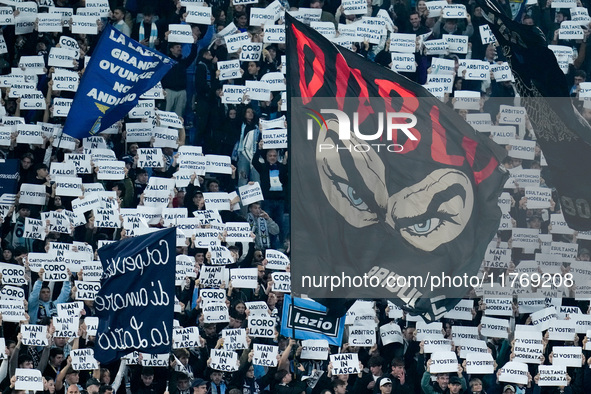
(385, 386)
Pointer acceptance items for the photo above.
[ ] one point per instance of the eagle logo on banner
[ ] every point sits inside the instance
(387, 182)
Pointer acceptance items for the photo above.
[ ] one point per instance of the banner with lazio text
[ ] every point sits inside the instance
(135, 304)
(119, 72)
(307, 319)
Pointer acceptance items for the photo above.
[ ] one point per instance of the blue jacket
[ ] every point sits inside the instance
(50, 307)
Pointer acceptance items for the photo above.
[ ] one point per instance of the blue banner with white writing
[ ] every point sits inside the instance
(119, 72)
(135, 304)
(307, 319)
(9, 176)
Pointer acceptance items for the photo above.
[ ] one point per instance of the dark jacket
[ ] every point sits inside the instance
(264, 170)
(171, 80)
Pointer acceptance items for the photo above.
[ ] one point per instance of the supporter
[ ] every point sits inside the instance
(324, 16)
(385, 386)
(175, 87)
(455, 385)
(403, 381)
(421, 8)
(199, 386)
(13, 228)
(286, 383)
(68, 379)
(204, 72)
(246, 148)
(273, 176)
(105, 389)
(241, 20)
(217, 383)
(147, 31)
(367, 382)
(245, 378)
(416, 24)
(451, 26)
(179, 383)
(261, 225)
(56, 356)
(92, 386)
(143, 381)
(119, 21)
(41, 307)
(476, 386)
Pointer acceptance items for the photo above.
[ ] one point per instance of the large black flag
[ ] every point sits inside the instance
(387, 182)
(563, 134)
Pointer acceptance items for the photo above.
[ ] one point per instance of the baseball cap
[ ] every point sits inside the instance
(455, 380)
(198, 382)
(385, 381)
(509, 387)
(92, 382)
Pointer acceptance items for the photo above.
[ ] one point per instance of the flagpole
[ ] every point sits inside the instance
(295, 370)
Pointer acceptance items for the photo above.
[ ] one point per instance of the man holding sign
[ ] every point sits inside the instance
(41, 306)
(175, 87)
(273, 184)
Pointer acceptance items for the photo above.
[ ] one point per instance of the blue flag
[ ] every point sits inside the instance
(119, 72)
(135, 304)
(307, 319)
(9, 177)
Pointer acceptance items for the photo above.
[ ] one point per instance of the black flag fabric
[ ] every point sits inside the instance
(563, 134)
(135, 304)
(393, 194)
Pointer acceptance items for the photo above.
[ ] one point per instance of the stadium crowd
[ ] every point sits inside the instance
(529, 354)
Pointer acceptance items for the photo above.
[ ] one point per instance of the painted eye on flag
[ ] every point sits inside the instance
(425, 227)
(359, 193)
(433, 211)
(350, 193)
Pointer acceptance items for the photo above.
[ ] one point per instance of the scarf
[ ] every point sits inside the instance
(259, 227)
(153, 34)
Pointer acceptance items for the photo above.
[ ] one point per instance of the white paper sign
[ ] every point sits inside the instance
(443, 362)
(345, 364)
(494, 328)
(265, 355)
(83, 359)
(28, 379)
(12, 310)
(552, 375)
(185, 337)
(542, 318)
(229, 69)
(276, 260)
(224, 360)
(234, 338)
(315, 349)
(12, 274)
(244, 278)
(250, 193)
(34, 335)
(569, 356)
(514, 372)
(180, 34)
(479, 363)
